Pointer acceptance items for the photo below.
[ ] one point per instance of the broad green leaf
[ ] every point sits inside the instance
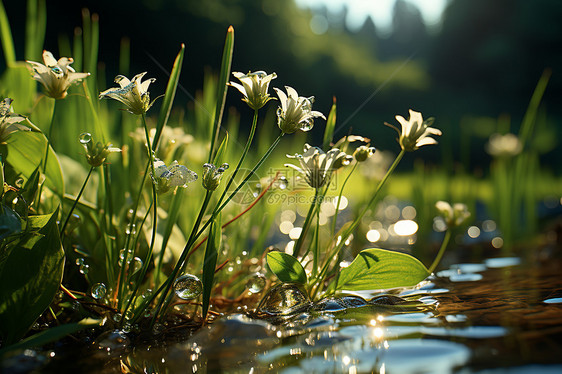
(330, 127)
(30, 278)
(210, 263)
(222, 88)
(169, 96)
(375, 269)
(25, 152)
(31, 187)
(9, 222)
(287, 268)
(51, 334)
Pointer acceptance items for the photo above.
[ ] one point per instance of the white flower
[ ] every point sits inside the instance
(507, 145)
(317, 166)
(415, 132)
(295, 113)
(453, 215)
(96, 153)
(254, 87)
(55, 76)
(175, 175)
(363, 152)
(212, 176)
(133, 93)
(10, 122)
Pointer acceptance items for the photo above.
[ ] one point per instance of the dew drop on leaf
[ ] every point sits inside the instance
(188, 287)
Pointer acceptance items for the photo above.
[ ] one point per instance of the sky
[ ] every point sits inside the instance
(379, 10)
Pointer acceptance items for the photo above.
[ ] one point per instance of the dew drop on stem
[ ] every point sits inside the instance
(85, 138)
(188, 287)
(98, 291)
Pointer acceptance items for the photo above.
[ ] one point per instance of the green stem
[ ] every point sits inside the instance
(441, 251)
(148, 258)
(256, 167)
(75, 202)
(306, 225)
(150, 164)
(180, 263)
(121, 278)
(381, 183)
(50, 134)
(316, 242)
(244, 153)
(339, 198)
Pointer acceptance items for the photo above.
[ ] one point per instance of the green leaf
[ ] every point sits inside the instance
(330, 127)
(375, 269)
(30, 279)
(10, 223)
(287, 268)
(220, 156)
(25, 152)
(6, 37)
(169, 96)
(222, 88)
(210, 263)
(51, 335)
(31, 187)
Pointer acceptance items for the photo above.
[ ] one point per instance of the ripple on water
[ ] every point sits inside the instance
(468, 277)
(554, 300)
(469, 268)
(397, 356)
(423, 356)
(502, 262)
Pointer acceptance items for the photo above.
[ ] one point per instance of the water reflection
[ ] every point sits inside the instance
(509, 319)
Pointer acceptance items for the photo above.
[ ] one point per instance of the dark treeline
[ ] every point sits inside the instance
(483, 62)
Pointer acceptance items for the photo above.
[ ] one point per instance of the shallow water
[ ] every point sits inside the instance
(499, 316)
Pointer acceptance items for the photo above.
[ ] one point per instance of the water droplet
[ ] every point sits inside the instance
(57, 70)
(146, 294)
(283, 300)
(137, 265)
(85, 138)
(79, 261)
(283, 183)
(132, 229)
(113, 342)
(129, 315)
(84, 269)
(256, 283)
(98, 291)
(188, 287)
(157, 329)
(117, 317)
(122, 254)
